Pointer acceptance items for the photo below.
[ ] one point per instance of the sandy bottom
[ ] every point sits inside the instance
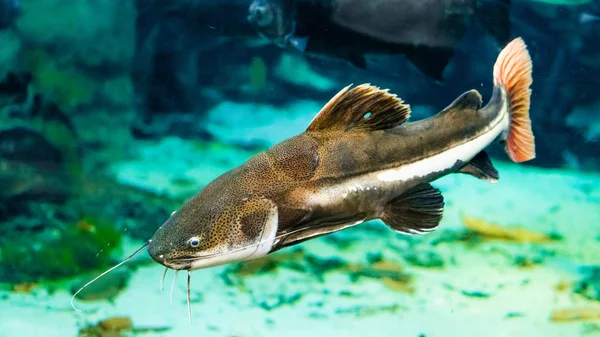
(517, 302)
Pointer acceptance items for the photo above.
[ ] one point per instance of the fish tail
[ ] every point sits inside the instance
(512, 73)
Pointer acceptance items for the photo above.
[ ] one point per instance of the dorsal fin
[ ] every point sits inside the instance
(364, 107)
(470, 100)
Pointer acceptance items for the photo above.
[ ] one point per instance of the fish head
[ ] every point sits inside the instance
(273, 19)
(210, 232)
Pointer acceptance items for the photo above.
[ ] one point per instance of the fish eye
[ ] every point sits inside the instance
(194, 242)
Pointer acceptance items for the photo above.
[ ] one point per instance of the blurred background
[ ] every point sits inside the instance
(112, 113)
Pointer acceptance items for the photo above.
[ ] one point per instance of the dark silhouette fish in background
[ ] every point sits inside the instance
(358, 160)
(425, 31)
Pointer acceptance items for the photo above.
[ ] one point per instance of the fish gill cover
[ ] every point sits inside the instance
(114, 113)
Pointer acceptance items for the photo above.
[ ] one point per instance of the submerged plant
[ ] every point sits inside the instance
(65, 87)
(83, 246)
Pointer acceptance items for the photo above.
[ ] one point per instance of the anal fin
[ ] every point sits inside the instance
(417, 211)
(481, 167)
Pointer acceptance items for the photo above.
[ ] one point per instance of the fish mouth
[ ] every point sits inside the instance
(180, 263)
(191, 262)
(185, 262)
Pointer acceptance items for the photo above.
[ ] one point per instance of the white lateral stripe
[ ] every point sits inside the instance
(464, 152)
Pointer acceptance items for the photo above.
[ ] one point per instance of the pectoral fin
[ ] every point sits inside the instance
(316, 229)
(419, 210)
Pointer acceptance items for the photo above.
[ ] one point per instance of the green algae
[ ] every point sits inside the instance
(11, 47)
(258, 74)
(84, 59)
(83, 246)
(65, 140)
(62, 85)
(89, 33)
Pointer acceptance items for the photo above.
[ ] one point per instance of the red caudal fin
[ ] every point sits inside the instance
(512, 72)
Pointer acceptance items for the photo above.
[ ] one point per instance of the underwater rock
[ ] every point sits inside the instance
(26, 145)
(84, 71)
(424, 258)
(9, 12)
(116, 324)
(110, 139)
(186, 46)
(13, 93)
(115, 327)
(110, 327)
(184, 125)
(589, 285)
(586, 120)
(475, 293)
(532, 258)
(139, 212)
(39, 157)
(36, 152)
(9, 54)
(295, 69)
(24, 183)
(104, 38)
(319, 266)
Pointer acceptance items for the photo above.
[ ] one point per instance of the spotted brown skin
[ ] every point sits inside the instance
(294, 174)
(358, 160)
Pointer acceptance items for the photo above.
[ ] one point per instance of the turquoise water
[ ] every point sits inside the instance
(114, 113)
